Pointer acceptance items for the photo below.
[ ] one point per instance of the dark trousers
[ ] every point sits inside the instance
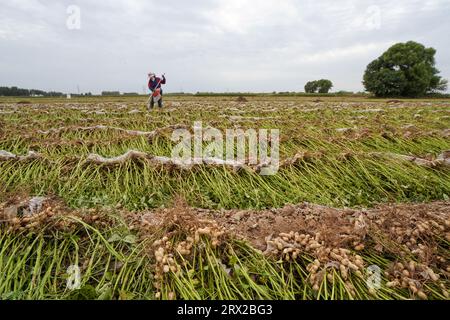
(152, 102)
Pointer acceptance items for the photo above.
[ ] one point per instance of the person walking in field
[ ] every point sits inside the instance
(154, 84)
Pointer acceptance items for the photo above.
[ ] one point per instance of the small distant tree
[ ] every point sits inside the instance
(311, 87)
(405, 69)
(324, 85)
(320, 86)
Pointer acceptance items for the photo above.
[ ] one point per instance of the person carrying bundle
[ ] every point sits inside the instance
(154, 84)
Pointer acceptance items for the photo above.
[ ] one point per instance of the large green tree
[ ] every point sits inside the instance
(405, 69)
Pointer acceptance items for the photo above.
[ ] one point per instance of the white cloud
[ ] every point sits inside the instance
(353, 51)
(241, 16)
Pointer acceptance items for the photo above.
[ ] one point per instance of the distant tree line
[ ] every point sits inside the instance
(118, 93)
(19, 92)
(110, 93)
(87, 94)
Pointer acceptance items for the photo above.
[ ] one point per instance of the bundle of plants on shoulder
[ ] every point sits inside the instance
(93, 205)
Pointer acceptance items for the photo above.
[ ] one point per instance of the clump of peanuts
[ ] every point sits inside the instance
(53, 215)
(213, 232)
(167, 249)
(291, 245)
(165, 261)
(34, 222)
(412, 275)
(414, 232)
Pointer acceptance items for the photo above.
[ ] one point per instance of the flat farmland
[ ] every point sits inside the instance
(358, 207)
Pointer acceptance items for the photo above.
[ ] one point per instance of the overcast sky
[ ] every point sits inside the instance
(214, 45)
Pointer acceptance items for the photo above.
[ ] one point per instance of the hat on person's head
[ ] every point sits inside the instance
(151, 74)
